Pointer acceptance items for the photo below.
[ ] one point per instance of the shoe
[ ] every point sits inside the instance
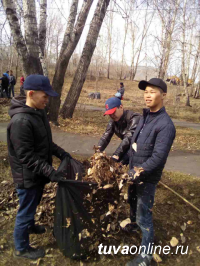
(37, 229)
(30, 253)
(130, 228)
(140, 260)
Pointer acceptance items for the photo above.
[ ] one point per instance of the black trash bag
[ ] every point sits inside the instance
(71, 219)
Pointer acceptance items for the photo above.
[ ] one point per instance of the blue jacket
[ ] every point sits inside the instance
(154, 142)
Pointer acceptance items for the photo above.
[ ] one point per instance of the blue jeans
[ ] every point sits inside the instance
(28, 202)
(141, 199)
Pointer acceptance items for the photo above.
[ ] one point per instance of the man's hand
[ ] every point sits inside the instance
(115, 158)
(134, 174)
(66, 154)
(57, 177)
(97, 148)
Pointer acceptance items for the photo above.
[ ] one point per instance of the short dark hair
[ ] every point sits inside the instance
(121, 83)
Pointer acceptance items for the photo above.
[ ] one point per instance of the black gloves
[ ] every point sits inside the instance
(131, 174)
(114, 159)
(66, 154)
(57, 177)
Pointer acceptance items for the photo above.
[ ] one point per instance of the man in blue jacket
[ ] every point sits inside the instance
(149, 150)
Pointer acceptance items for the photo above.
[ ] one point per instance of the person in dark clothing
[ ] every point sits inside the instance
(30, 150)
(123, 123)
(121, 90)
(5, 84)
(150, 146)
(12, 85)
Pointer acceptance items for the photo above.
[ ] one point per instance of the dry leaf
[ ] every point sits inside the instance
(125, 222)
(90, 171)
(157, 258)
(198, 248)
(125, 196)
(85, 233)
(68, 220)
(174, 242)
(108, 186)
(183, 227)
(111, 207)
(108, 228)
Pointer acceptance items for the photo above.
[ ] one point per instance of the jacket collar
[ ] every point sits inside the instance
(146, 111)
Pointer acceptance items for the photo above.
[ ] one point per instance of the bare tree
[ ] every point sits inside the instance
(136, 55)
(168, 18)
(184, 74)
(27, 47)
(42, 34)
(70, 41)
(88, 50)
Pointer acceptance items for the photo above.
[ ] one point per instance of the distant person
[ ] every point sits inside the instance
(121, 90)
(12, 84)
(5, 83)
(22, 93)
(123, 123)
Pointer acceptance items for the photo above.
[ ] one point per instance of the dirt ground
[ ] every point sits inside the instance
(170, 214)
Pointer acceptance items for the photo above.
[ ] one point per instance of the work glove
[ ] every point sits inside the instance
(134, 178)
(115, 159)
(66, 154)
(57, 177)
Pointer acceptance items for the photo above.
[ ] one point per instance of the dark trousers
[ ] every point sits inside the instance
(141, 199)
(6, 91)
(11, 89)
(28, 202)
(22, 93)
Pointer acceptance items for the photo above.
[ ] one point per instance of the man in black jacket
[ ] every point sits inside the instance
(30, 150)
(123, 123)
(149, 150)
(5, 84)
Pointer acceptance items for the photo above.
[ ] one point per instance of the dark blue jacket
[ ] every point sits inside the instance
(153, 144)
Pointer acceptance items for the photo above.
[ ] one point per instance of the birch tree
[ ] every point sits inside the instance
(168, 19)
(184, 74)
(88, 50)
(72, 35)
(27, 46)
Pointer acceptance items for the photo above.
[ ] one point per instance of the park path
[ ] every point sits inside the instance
(179, 161)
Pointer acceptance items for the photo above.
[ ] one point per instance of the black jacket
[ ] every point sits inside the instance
(153, 144)
(4, 82)
(124, 129)
(30, 146)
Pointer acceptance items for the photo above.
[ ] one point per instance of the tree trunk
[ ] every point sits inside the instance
(42, 34)
(71, 38)
(185, 77)
(167, 42)
(30, 61)
(31, 33)
(194, 70)
(88, 50)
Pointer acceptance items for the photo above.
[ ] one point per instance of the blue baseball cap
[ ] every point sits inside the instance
(39, 83)
(111, 105)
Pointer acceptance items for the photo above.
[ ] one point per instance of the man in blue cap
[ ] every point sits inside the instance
(123, 123)
(150, 146)
(30, 150)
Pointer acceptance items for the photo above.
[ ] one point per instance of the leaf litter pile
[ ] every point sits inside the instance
(103, 203)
